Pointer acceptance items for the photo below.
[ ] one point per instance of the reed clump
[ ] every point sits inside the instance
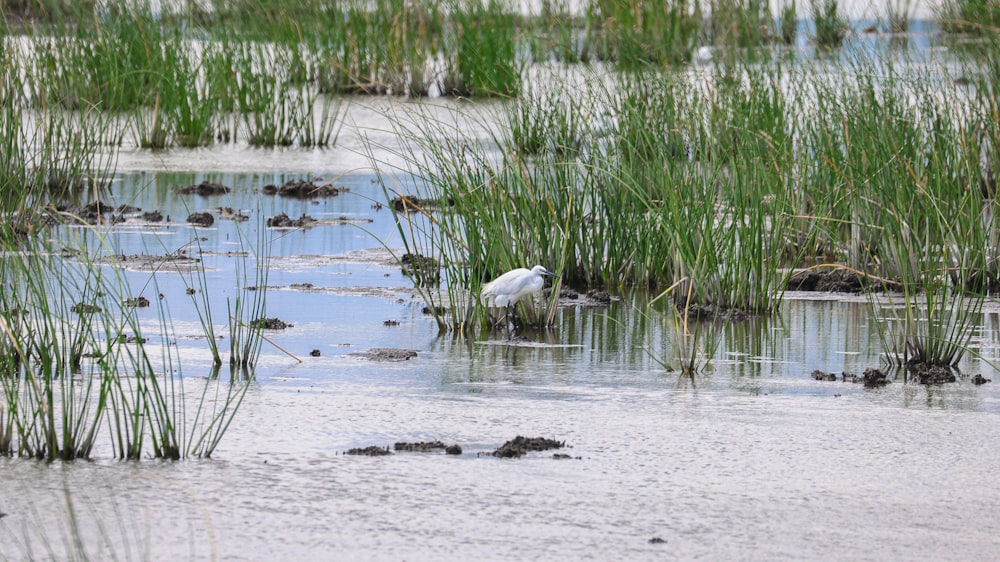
(718, 186)
(77, 372)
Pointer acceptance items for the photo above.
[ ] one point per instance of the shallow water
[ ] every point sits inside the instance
(752, 459)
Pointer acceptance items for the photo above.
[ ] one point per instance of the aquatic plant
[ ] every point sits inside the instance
(46, 10)
(694, 340)
(701, 220)
(830, 26)
(898, 14)
(76, 360)
(245, 332)
(788, 23)
(739, 24)
(979, 17)
(557, 32)
(481, 50)
(639, 34)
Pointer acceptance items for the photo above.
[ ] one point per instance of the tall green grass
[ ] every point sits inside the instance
(718, 187)
(977, 17)
(646, 198)
(830, 25)
(78, 369)
(643, 33)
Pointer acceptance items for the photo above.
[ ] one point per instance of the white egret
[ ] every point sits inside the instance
(507, 289)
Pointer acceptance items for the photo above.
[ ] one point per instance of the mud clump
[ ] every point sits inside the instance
(271, 324)
(153, 216)
(602, 297)
(823, 376)
(712, 312)
(420, 447)
(835, 281)
(369, 451)
(284, 221)
(390, 354)
(302, 189)
(520, 446)
(201, 219)
(422, 269)
(82, 308)
(137, 302)
(873, 378)
(92, 213)
(453, 450)
(930, 374)
(412, 202)
(229, 213)
(592, 298)
(204, 189)
(315, 353)
(980, 379)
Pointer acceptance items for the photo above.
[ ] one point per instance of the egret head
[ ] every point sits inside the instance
(540, 270)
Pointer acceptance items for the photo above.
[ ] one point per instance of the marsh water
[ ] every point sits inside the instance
(751, 458)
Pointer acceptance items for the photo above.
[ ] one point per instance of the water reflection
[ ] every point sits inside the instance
(339, 305)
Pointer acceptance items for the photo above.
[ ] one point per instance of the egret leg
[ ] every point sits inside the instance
(508, 324)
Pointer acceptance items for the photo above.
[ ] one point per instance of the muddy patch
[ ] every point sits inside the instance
(423, 270)
(231, 214)
(520, 446)
(201, 219)
(930, 374)
(94, 213)
(353, 291)
(374, 256)
(303, 189)
(712, 312)
(591, 299)
(405, 203)
(178, 261)
(369, 451)
(205, 189)
(386, 354)
(428, 447)
(271, 324)
(137, 302)
(284, 221)
(833, 281)
(871, 378)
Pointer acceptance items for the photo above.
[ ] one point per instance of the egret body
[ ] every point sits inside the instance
(507, 289)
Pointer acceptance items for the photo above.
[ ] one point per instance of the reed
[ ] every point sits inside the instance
(977, 17)
(830, 26)
(636, 207)
(788, 24)
(557, 33)
(644, 33)
(740, 24)
(77, 368)
(694, 341)
(49, 330)
(46, 11)
(247, 308)
(898, 15)
(192, 103)
(481, 50)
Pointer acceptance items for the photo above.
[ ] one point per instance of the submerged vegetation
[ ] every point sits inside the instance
(676, 160)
